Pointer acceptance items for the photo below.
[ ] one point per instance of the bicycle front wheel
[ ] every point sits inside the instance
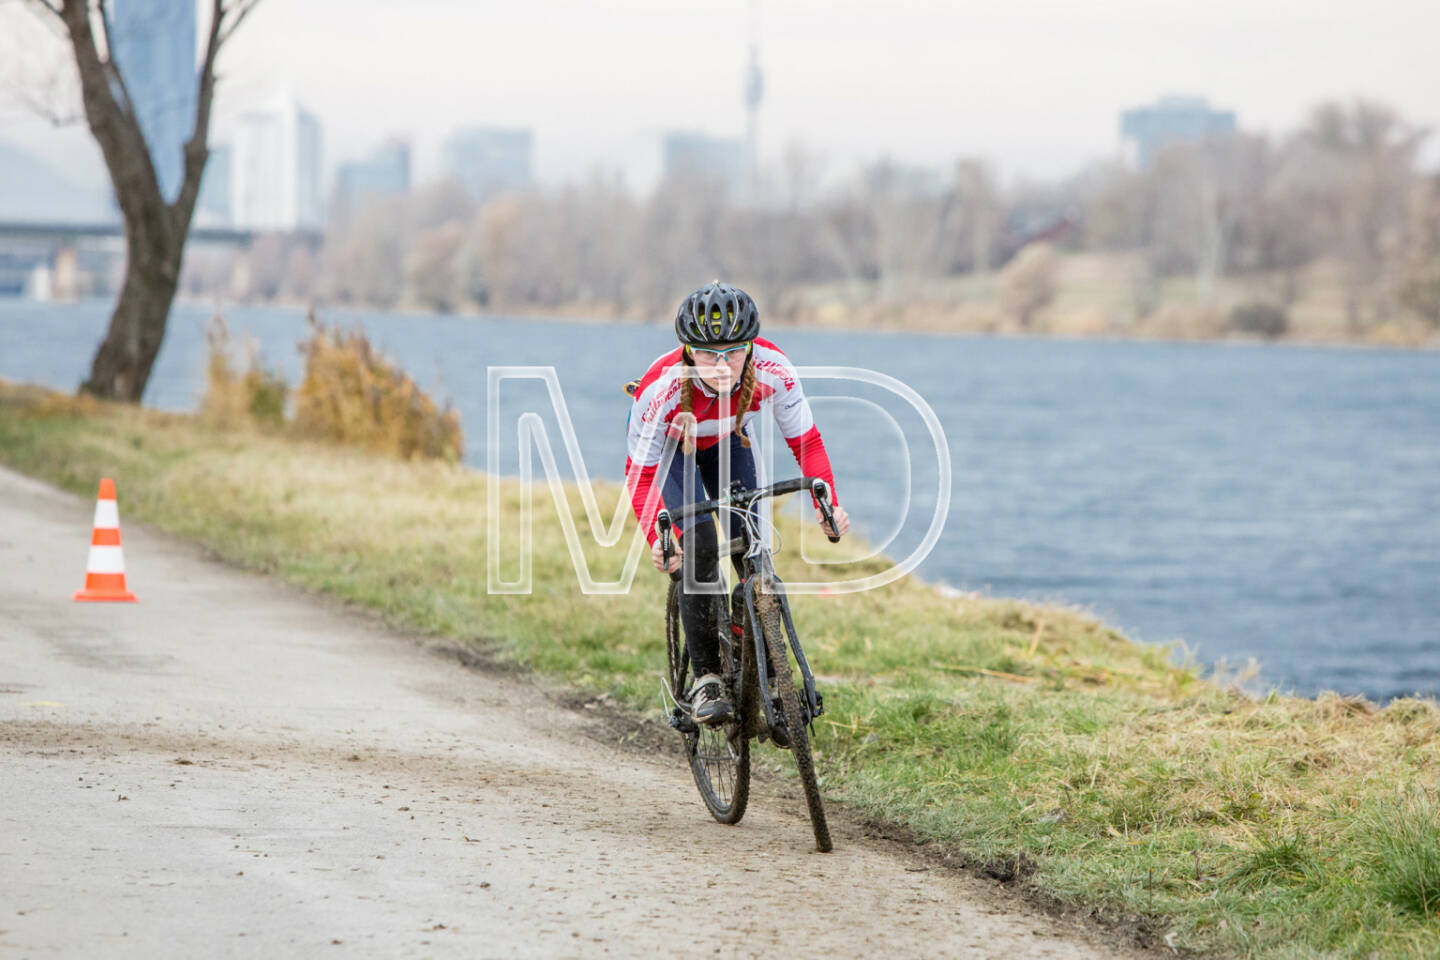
(721, 766)
(719, 756)
(767, 608)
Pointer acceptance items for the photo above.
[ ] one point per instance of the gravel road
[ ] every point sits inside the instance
(233, 768)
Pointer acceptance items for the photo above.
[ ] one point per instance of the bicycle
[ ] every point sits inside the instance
(719, 756)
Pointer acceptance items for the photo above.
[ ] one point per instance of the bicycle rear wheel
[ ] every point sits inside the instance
(767, 608)
(719, 756)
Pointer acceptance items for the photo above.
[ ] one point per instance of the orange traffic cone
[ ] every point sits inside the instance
(105, 572)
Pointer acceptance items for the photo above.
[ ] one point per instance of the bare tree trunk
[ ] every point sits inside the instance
(155, 230)
(1353, 324)
(121, 367)
(978, 195)
(1290, 287)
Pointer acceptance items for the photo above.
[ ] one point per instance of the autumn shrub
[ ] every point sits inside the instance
(1262, 319)
(1182, 321)
(235, 398)
(1029, 282)
(353, 394)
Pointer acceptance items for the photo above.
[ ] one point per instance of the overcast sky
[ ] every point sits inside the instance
(1035, 87)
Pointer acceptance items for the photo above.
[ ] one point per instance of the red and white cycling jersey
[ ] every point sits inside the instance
(657, 402)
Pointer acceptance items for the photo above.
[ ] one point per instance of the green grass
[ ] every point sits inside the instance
(1401, 838)
(995, 730)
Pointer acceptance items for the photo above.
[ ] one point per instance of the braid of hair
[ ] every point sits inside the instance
(747, 391)
(687, 403)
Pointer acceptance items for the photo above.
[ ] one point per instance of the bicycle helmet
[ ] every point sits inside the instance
(717, 313)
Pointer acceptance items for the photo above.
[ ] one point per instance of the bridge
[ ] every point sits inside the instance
(63, 232)
(46, 259)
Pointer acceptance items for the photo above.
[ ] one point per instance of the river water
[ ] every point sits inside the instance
(1274, 502)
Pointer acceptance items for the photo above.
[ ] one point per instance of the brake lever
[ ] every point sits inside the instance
(662, 523)
(821, 490)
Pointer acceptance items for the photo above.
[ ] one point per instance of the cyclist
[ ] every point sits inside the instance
(691, 394)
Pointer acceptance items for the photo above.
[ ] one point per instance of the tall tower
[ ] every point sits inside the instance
(754, 92)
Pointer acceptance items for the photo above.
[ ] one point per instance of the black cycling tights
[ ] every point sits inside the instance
(700, 550)
(701, 612)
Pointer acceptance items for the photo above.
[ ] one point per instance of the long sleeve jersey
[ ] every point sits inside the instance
(657, 402)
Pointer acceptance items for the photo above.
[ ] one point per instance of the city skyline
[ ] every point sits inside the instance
(1032, 90)
(1030, 87)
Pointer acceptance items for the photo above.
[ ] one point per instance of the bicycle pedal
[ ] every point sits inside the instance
(778, 734)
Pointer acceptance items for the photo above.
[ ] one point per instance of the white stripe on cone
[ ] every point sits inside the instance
(105, 560)
(107, 515)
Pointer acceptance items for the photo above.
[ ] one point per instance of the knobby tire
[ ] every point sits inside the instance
(767, 607)
(718, 756)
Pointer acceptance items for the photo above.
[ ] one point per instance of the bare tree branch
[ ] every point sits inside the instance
(111, 67)
(28, 77)
(237, 12)
(197, 150)
(116, 130)
(224, 19)
(44, 108)
(47, 14)
(46, 6)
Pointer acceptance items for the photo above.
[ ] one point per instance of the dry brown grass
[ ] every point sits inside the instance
(239, 399)
(353, 394)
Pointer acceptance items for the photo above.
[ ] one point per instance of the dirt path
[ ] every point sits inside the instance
(231, 768)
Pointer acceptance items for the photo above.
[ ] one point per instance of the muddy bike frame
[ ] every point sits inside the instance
(757, 567)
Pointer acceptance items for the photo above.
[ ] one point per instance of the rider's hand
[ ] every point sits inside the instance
(657, 556)
(842, 520)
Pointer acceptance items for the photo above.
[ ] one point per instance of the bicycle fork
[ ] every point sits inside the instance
(814, 702)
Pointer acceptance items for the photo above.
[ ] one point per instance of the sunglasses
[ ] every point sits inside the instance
(716, 356)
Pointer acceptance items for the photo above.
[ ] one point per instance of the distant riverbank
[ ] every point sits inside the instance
(918, 317)
(1090, 296)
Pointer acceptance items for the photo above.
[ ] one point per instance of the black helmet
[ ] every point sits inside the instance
(717, 313)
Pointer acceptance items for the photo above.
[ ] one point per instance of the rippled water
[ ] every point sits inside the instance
(1275, 502)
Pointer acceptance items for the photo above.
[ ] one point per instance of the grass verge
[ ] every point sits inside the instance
(1101, 775)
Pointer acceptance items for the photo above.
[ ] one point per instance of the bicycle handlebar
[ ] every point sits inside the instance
(665, 519)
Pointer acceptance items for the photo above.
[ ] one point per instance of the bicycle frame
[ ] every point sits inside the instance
(758, 567)
(720, 761)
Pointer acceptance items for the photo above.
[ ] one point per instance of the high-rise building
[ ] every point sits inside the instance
(154, 47)
(275, 174)
(384, 173)
(488, 160)
(699, 156)
(212, 207)
(1172, 120)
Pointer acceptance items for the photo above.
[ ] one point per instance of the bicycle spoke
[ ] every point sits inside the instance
(724, 784)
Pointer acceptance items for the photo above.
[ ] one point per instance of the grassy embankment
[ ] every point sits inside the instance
(1006, 733)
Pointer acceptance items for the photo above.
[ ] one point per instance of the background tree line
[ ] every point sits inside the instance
(1244, 230)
